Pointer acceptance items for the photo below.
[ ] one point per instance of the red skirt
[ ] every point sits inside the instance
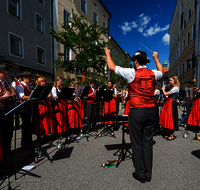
(109, 109)
(74, 115)
(1, 157)
(60, 123)
(166, 116)
(194, 118)
(126, 111)
(44, 118)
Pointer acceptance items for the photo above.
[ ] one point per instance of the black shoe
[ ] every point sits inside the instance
(138, 178)
(148, 179)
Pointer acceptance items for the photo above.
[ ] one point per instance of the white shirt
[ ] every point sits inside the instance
(129, 73)
(20, 89)
(175, 89)
(54, 92)
(115, 91)
(156, 92)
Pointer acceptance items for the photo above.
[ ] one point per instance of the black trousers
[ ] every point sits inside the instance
(91, 114)
(6, 128)
(142, 122)
(26, 141)
(117, 107)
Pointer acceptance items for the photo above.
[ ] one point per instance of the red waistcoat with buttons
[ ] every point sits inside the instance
(27, 92)
(141, 89)
(91, 99)
(5, 102)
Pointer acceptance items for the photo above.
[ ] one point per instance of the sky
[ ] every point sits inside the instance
(141, 22)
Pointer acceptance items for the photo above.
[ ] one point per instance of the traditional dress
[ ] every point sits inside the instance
(109, 109)
(194, 118)
(116, 101)
(44, 118)
(156, 97)
(189, 100)
(169, 112)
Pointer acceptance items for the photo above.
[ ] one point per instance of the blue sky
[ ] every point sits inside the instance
(144, 21)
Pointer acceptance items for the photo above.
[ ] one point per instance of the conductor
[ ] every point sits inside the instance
(142, 115)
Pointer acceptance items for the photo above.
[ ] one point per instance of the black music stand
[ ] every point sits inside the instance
(24, 106)
(104, 95)
(122, 155)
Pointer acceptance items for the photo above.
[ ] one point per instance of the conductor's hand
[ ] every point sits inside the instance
(107, 51)
(155, 55)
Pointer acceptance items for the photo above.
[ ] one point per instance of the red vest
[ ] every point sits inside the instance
(5, 102)
(27, 92)
(141, 89)
(16, 83)
(91, 99)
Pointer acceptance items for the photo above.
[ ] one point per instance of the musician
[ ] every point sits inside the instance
(60, 123)
(194, 118)
(117, 98)
(127, 109)
(44, 113)
(24, 91)
(91, 106)
(6, 127)
(57, 86)
(74, 110)
(109, 107)
(169, 112)
(81, 104)
(142, 109)
(16, 82)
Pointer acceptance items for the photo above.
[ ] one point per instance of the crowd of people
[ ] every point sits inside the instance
(61, 116)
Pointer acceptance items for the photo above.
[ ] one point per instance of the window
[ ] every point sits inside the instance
(95, 17)
(188, 38)
(40, 55)
(189, 14)
(16, 45)
(181, 49)
(39, 23)
(184, 24)
(183, 45)
(193, 31)
(179, 71)
(84, 6)
(67, 56)
(66, 16)
(182, 69)
(181, 21)
(14, 7)
(95, 5)
(104, 25)
(41, 1)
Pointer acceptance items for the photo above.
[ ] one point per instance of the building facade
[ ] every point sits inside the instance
(26, 44)
(183, 32)
(93, 10)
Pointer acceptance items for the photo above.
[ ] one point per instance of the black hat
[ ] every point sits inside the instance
(26, 74)
(3, 67)
(92, 80)
(141, 55)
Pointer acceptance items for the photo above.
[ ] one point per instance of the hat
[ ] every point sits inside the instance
(141, 55)
(92, 80)
(26, 74)
(3, 67)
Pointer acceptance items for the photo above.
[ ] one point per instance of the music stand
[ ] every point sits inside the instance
(24, 106)
(122, 155)
(104, 95)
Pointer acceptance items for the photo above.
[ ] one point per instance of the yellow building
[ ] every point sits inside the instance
(93, 10)
(183, 36)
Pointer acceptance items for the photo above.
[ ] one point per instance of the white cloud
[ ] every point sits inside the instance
(166, 39)
(127, 27)
(141, 24)
(154, 30)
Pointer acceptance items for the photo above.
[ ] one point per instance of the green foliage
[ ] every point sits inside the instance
(85, 41)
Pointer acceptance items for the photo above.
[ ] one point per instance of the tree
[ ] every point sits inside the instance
(85, 41)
